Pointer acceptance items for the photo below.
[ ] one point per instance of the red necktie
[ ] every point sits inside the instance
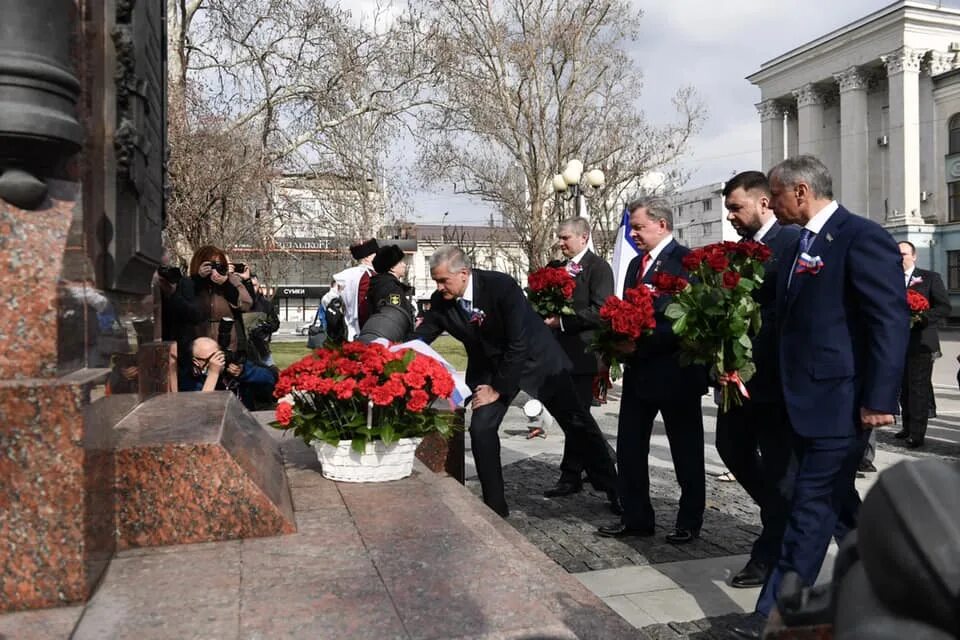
(644, 261)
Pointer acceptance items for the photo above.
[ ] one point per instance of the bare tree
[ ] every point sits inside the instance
(529, 84)
(301, 85)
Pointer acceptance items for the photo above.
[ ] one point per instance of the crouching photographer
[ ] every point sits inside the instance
(217, 369)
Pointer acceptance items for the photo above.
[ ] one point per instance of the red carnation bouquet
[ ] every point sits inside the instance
(363, 392)
(715, 314)
(624, 321)
(918, 304)
(550, 291)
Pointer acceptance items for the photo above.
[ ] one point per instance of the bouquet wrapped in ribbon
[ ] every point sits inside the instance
(715, 314)
(918, 304)
(623, 322)
(550, 291)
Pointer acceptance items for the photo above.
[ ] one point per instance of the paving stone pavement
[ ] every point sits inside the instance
(565, 528)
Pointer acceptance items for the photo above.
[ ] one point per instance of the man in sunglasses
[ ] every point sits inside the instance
(250, 382)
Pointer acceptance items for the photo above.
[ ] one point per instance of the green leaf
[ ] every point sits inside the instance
(387, 434)
(674, 311)
(359, 444)
(680, 325)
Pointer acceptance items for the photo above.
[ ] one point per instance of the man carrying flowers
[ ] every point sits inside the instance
(655, 382)
(754, 439)
(593, 283)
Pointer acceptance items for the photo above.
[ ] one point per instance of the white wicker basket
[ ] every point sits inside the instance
(378, 463)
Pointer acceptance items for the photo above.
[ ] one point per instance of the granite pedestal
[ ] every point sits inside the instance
(197, 467)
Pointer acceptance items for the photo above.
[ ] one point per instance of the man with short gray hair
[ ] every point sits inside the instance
(654, 382)
(508, 348)
(843, 326)
(574, 331)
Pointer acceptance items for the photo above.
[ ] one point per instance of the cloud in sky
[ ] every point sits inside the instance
(711, 46)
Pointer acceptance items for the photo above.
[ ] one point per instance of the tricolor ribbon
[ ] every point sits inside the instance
(574, 268)
(734, 377)
(808, 264)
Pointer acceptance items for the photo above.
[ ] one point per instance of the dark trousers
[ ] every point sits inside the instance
(559, 397)
(683, 420)
(571, 466)
(915, 392)
(825, 505)
(756, 444)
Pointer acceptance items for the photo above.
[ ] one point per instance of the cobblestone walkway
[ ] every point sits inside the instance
(564, 528)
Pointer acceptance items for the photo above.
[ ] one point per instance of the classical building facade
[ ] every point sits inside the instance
(878, 101)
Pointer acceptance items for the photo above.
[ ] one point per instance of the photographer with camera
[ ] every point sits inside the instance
(202, 299)
(214, 368)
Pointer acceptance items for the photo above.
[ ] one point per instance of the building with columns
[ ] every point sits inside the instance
(878, 100)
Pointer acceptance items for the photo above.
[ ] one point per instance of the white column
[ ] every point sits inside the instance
(809, 119)
(771, 133)
(903, 75)
(793, 131)
(854, 186)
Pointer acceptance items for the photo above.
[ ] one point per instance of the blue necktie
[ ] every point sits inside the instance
(465, 305)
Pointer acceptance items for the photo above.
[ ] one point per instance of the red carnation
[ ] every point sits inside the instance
(731, 279)
(918, 303)
(284, 414)
(418, 401)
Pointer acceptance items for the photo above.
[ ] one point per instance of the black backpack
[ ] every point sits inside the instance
(336, 321)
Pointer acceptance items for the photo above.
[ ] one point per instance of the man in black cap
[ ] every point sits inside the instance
(355, 282)
(391, 312)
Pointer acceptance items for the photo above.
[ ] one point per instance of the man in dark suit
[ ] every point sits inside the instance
(917, 387)
(754, 440)
(654, 382)
(843, 328)
(574, 332)
(508, 348)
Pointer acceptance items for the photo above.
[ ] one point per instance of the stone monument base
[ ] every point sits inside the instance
(197, 467)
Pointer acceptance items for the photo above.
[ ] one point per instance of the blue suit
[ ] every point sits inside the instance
(843, 337)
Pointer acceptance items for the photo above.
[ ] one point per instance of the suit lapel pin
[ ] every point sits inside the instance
(829, 238)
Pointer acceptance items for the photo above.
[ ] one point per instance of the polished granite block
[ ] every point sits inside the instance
(56, 498)
(31, 258)
(195, 467)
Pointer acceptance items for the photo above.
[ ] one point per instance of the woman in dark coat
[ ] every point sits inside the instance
(391, 310)
(209, 295)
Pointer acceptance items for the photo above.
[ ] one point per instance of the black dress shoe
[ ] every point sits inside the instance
(903, 434)
(751, 628)
(754, 574)
(563, 488)
(867, 467)
(620, 530)
(913, 443)
(682, 536)
(615, 507)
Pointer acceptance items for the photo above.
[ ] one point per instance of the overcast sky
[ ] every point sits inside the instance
(711, 45)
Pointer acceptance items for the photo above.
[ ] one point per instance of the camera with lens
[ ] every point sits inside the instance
(219, 267)
(224, 333)
(173, 275)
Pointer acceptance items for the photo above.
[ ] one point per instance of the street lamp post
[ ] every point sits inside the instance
(567, 185)
(443, 227)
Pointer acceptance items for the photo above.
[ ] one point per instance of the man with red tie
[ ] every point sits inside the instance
(655, 382)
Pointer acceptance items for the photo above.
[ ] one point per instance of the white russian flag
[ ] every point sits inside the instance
(624, 250)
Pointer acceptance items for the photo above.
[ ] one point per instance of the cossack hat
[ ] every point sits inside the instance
(364, 249)
(387, 257)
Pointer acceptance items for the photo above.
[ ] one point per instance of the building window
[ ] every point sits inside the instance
(707, 204)
(953, 270)
(953, 201)
(954, 127)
